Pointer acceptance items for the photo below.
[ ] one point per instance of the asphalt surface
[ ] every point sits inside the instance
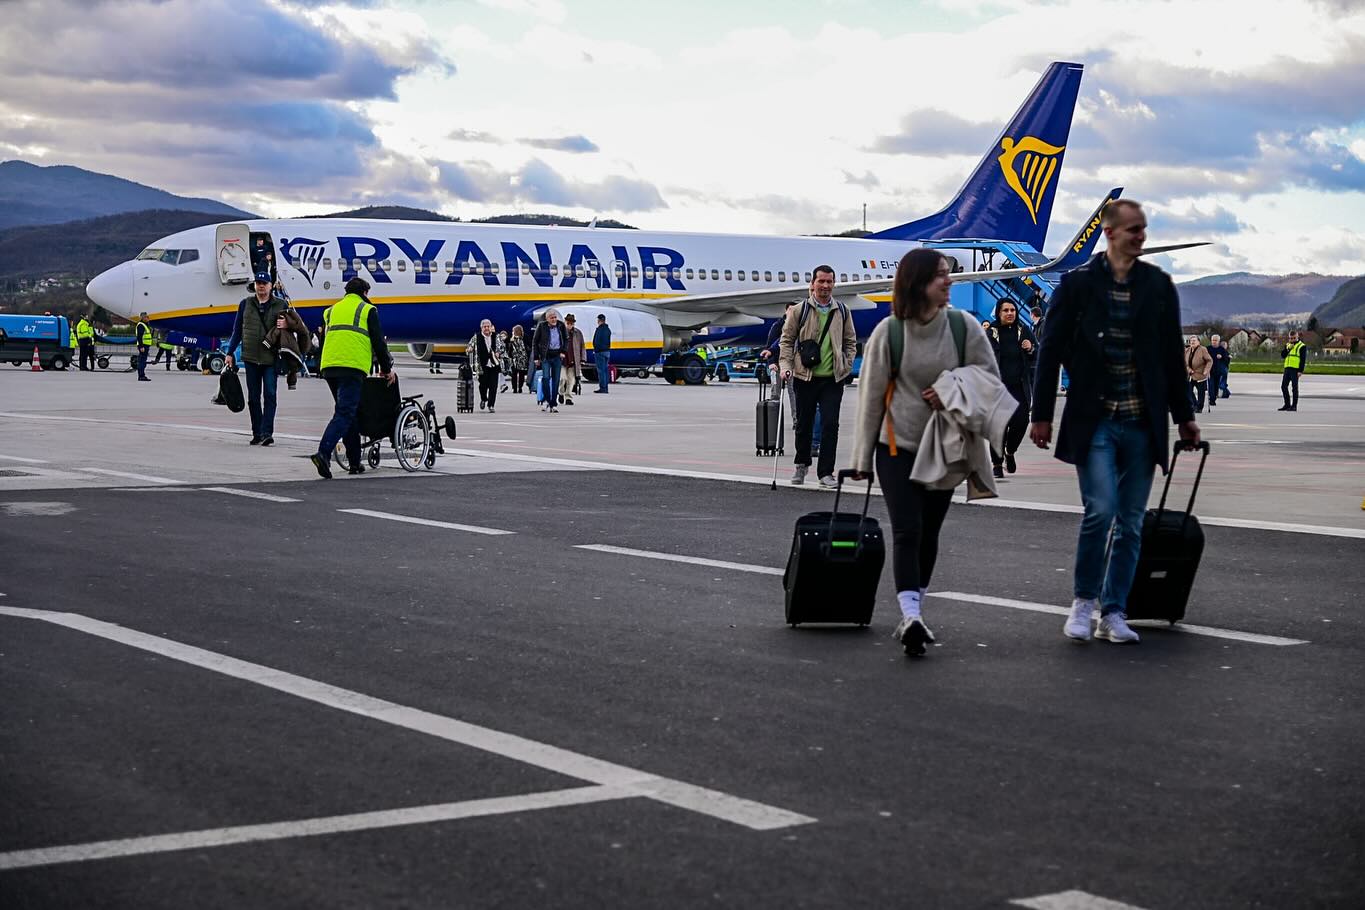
(1187, 771)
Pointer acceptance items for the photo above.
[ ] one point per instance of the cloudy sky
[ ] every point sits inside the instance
(755, 116)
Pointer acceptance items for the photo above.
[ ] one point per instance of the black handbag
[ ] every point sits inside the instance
(808, 350)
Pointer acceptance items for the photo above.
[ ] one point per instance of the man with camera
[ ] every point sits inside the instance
(257, 315)
(817, 350)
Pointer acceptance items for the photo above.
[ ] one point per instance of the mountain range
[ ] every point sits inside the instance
(32, 194)
(63, 221)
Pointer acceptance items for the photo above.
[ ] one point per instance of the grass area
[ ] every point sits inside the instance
(1315, 367)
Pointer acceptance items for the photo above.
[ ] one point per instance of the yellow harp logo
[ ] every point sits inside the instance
(1029, 166)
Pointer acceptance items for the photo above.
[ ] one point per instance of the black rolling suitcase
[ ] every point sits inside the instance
(1172, 543)
(835, 564)
(230, 390)
(464, 390)
(769, 437)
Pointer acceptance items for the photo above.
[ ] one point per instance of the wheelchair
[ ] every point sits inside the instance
(412, 429)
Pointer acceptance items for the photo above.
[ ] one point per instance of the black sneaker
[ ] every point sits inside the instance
(1284, 408)
(1010, 464)
(255, 441)
(914, 637)
(268, 441)
(321, 464)
(356, 469)
(997, 471)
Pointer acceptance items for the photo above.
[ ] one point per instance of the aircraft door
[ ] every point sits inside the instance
(232, 251)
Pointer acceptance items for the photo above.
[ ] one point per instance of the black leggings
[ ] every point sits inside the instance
(518, 377)
(1018, 425)
(917, 514)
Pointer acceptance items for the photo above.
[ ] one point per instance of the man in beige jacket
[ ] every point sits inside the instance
(1198, 364)
(817, 351)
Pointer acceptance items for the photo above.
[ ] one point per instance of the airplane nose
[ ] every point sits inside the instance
(113, 289)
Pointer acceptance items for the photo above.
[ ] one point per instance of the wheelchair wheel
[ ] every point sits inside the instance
(373, 458)
(411, 438)
(339, 456)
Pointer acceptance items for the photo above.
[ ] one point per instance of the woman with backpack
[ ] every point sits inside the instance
(895, 403)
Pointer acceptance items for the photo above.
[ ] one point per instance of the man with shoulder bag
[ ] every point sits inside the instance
(257, 316)
(817, 350)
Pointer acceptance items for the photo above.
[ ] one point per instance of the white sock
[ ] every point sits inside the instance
(909, 601)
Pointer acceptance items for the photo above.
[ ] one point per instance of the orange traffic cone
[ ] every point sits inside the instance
(37, 367)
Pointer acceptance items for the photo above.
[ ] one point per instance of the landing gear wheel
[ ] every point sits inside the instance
(412, 438)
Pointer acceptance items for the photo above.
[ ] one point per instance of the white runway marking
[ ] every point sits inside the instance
(674, 557)
(714, 803)
(1072, 900)
(431, 523)
(147, 478)
(310, 827)
(25, 460)
(1252, 637)
(250, 494)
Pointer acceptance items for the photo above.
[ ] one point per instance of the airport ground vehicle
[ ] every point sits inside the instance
(413, 430)
(51, 335)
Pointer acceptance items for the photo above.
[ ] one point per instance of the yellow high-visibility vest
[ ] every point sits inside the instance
(1295, 359)
(144, 334)
(347, 342)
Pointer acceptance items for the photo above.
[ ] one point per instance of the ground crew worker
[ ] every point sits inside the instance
(71, 342)
(85, 337)
(143, 334)
(164, 349)
(353, 340)
(1295, 354)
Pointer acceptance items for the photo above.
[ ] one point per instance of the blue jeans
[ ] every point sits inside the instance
(1116, 479)
(261, 379)
(549, 381)
(602, 359)
(343, 426)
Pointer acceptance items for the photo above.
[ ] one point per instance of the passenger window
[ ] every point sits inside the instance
(188, 256)
(843, 277)
(715, 275)
(728, 275)
(525, 269)
(740, 273)
(689, 274)
(493, 267)
(634, 272)
(371, 264)
(649, 272)
(755, 276)
(386, 265)
(327, 265)
(402, 265)
(450, 267)
(782, 277)
(581, 272)
(867, 278)
(554, 270)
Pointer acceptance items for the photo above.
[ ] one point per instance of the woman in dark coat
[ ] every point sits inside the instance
(1015, 347)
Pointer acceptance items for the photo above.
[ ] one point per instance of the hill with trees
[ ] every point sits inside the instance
(32, 194)
(1346, 309)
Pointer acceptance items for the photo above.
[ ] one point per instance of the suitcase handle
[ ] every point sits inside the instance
(1180, 444)
(867, 501)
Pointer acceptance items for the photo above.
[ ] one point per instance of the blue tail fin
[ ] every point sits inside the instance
(1009, 195)
(1083, 244)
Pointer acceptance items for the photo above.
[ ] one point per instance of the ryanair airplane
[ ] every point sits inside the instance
(435, 281)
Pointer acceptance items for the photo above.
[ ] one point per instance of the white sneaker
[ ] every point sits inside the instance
(829, 482)
(1078, 623)
(913, 635)
(1115, 628)
(799, 475)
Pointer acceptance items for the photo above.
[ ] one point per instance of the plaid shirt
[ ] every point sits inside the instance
(1122, 395)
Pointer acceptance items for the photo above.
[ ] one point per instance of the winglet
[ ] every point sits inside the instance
(1083, 244)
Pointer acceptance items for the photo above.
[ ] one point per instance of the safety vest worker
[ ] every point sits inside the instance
(144, 334)
(84, 330)
(1294, 360)
(348, 334)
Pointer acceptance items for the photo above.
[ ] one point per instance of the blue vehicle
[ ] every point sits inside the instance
(51, 335)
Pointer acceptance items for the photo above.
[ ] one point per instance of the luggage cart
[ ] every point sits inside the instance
(112, 349)
(413, 430)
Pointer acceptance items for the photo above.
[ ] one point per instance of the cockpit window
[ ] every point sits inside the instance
(188, 256)
(151, 253)
(170, 257)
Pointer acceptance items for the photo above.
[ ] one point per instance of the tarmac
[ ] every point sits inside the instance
(553, 670)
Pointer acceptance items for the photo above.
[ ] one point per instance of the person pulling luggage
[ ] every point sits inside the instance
(1111, 321)
(894, 407)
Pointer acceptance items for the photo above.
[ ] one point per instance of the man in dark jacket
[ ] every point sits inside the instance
(547, 349)
(1115, 325)
(601, 353)
(257, 315)
(1015, 347)
(1218, 378)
